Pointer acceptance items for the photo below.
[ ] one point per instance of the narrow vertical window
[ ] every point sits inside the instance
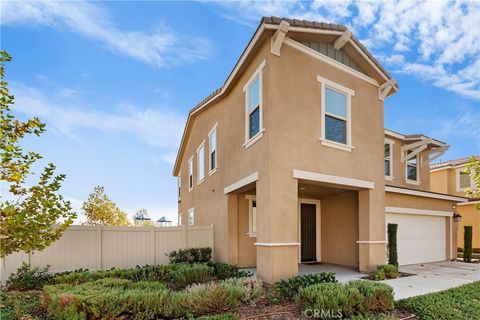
(201, 163)
(252, 216)
(335, 116)
(464, 180)
(179, 184)
(412, 169)
(190, 174)
(179, 219)
(212, 150)
(388, 158)
(191, 217)
(254, 107)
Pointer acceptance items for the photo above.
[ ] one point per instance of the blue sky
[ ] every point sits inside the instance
(114, 80)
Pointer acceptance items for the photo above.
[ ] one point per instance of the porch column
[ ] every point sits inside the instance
(371, 225)
(277, 227)
(232, 234)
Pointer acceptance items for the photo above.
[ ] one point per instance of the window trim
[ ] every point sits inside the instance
(200, 180)
(179, 219)
(257, 74)
(190, 173)
(390, 176)
(210, 169)
(191, 213)
(349, 93)
(251, 199)
(417, 165)
(457, 178)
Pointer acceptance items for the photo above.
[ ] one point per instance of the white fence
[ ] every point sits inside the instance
(97, 247)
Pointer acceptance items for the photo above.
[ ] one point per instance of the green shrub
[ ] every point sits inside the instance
(184, 274)
(467, 243)
(222, 271)
(20, 305)
(122, 298)
(27, 278)
(252, 289)
(378, 297)
(286, 289)
(392, 244)
(390, 270)
(225, 316)
(378, 275)
(329, 300)
(190, 255)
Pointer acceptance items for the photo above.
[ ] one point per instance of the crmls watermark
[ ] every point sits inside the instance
(322, 313)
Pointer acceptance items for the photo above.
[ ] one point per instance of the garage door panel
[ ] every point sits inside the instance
(420, 238)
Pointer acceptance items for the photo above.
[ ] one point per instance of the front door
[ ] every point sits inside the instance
(308, 232)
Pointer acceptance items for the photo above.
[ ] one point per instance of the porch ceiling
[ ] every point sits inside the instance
(311, 189)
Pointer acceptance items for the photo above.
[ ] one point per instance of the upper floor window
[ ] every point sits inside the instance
(412, 169)
(212, 150)
(388, 159)
(463, 180)
(254, 107)
(179, 184)
(190, 174)
(201, 163)
(335, 114)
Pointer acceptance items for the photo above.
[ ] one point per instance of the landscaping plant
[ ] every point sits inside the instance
(190, 255)
(222, 271)
(387, 271)
(21, 305)
(392, 244)
(186, 274)
(377, 297)
(27, 278)
(467, 243)
(286, 289)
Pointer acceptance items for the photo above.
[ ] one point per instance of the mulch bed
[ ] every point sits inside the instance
(289, 311)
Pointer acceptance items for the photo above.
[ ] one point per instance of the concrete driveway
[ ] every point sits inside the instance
(433, 277)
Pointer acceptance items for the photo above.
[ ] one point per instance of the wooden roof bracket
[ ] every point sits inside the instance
(437, 152)
(342, 40)
(385, 88)
(416, 148)
(278, 37)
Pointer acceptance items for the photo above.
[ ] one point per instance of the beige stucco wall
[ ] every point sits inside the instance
(339, 226)
(470, 217)
(399, 168)
(445, 181)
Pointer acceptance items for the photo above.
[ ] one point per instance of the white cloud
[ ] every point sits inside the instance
(158, 127)
(437, 41)
(160, 48)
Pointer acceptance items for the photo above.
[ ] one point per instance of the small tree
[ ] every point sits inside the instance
(467, 243)
(392, 244)
(32, 217)
(100, 210)
(473, 169)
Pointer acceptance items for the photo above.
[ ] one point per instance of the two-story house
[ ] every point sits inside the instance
(290, 160)
(450, 177)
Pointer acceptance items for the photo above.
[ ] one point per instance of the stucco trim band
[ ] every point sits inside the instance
(370, 241)
(276, 244)
(241, 183)
(468, 203)
(320, 177)
(424, 194)
(418, 211)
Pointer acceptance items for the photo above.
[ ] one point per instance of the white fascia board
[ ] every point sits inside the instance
(321, 177)
(424, 194)
(241, 183)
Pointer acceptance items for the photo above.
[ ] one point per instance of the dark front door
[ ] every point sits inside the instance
(308, 231)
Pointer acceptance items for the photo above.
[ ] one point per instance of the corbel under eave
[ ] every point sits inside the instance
(416, 148)
(437, 152)
(385, 88)
(342, 40)
(278, 37)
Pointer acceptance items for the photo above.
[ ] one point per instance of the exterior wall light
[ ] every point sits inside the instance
(457, 217)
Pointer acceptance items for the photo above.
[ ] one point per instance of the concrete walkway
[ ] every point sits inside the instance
(433, 277)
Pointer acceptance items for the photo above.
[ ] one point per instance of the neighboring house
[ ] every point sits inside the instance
(163, 222)
(290, 160)
(450, 177)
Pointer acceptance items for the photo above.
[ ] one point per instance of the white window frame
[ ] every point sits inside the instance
(257, 74)
(390, 143)
(251, 198)
(457, 175)
(200, 163)
(212, 170)
(179, 185)
(415, 182)
(324, 83)
(191, 217)
(179, 218)
(190, 173)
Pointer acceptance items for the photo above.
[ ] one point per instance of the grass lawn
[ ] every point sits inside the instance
(457, 303)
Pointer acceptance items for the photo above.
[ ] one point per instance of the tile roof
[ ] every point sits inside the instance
(450, 163)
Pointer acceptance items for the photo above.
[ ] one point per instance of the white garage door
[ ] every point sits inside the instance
(420, 238)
